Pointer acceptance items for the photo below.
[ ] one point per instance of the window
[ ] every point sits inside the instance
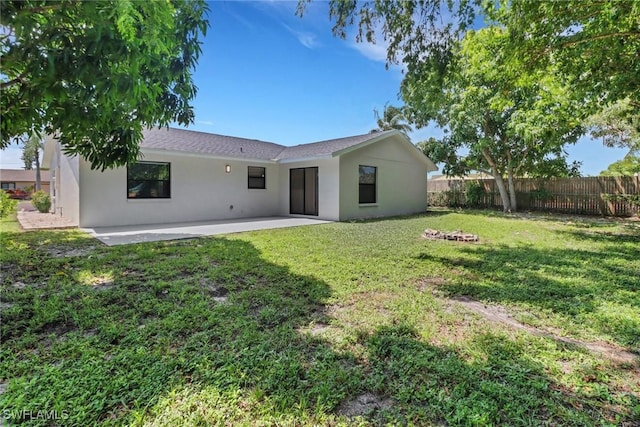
(148, 180)
(367, 184)
(8, 185)
(257, 177)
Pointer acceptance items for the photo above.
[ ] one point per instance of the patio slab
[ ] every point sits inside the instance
(125, 235)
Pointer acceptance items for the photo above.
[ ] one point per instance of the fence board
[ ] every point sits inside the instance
(585, 195)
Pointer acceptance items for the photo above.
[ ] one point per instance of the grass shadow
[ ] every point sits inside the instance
(110, 332)
(577, 285)
(498, 385)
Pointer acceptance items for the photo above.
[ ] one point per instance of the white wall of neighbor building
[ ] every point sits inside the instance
(401, 180)
(64, 188)
(201, 190)
(328, 187)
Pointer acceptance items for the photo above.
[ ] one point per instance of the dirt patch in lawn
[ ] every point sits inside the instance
(219, 293)
(65, 251)
(364, 405)
(498, 314)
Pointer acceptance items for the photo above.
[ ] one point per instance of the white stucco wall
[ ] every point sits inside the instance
(200, 190)
(65, 185)
(401, 180)
(328, 187)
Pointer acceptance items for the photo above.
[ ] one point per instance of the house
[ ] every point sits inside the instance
(19, 179)
(188, 176)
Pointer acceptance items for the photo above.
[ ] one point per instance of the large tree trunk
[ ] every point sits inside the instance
(504, 194)
(502, 189)
(512, 190)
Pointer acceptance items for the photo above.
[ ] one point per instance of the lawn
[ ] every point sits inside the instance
(337, 324)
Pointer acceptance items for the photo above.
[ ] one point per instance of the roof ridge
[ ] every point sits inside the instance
(372, 134)
(219, 134)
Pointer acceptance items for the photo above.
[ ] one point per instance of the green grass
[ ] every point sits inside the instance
(286, 327)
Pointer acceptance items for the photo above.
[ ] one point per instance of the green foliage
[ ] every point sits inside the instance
(95, 73)
(618, 125)
(474, 193)
(286, 327)
(507, 121)
(594, 44)
(31, 152)
(541, 194)
(41, 201)
(632, 199)
(628, 166)
(7, 204)
(392, 118)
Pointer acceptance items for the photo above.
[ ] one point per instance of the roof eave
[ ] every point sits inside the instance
(145, 150)
(304, 159)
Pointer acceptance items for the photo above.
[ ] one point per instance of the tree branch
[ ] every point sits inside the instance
(41, 8)
(19, 79)
(599, 37)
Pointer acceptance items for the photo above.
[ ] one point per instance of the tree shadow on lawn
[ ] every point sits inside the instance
(579, 285)
(120, 335)
(107, 335)
(500, 385)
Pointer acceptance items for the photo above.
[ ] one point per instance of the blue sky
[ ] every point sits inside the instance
(268, 74)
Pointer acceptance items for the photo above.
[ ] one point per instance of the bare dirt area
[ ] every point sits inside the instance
(498, 314)
(364, 405)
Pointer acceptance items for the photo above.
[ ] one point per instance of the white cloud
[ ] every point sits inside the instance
(306, 39)
(376, 52)
(205, 122)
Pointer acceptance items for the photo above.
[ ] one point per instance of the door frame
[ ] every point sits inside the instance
(306, 197)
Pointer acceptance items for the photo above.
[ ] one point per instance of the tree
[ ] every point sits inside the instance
(392, 118)
(595, 44)
(507, 122)
(31, 156)
(628, 166)
(96, 73)
(618, 125)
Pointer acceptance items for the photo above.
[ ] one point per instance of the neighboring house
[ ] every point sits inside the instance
(194, 176)
(13, 179)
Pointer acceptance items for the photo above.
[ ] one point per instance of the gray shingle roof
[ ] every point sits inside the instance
(23, 175)
(208, 143)
(325, 148)
(188, 141)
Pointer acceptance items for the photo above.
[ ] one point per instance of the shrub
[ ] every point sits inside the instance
(474, 194)
(7, 204)
(41, 201)
(541, 194)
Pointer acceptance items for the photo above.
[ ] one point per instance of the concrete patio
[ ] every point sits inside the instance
(124, 235)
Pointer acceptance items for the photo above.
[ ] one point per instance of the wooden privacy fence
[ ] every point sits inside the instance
(600, 195)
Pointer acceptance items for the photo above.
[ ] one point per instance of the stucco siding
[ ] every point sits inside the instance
(200, 190)
(328, 187)
(65, 186)
(401, 186)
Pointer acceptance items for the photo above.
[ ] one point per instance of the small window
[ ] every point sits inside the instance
(149, 180)
(367, 184)
(257, 177)
(8, 185)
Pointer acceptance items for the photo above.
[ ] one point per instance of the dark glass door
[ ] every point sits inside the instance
(303, 191)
